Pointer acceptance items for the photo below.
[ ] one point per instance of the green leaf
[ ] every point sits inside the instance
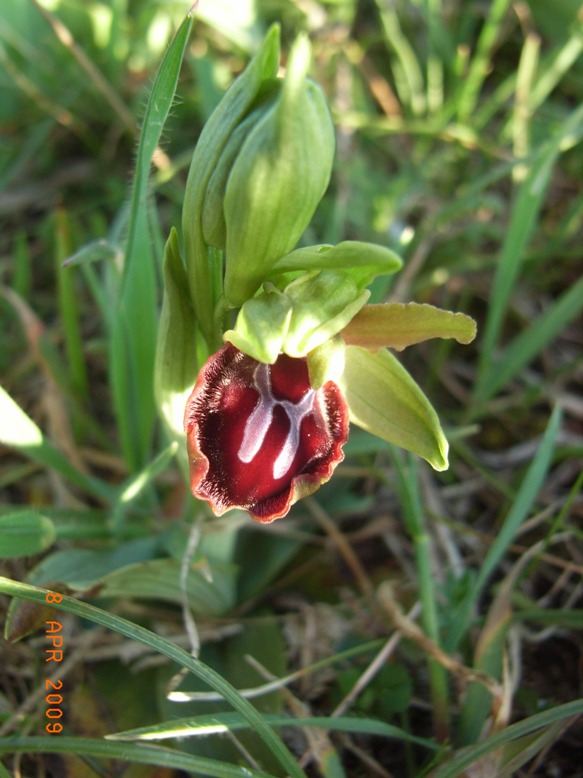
(519, 511)
(384, 400)
(158, 756)
(398, 325)
(218, 723)
(21, 433)
(533, 340)
(173, 652)
(133, 342)
(210, 585)
(24, 533)
(468, 756)
(83, 568)
(97, 251)
(177, 365)
(528, 200)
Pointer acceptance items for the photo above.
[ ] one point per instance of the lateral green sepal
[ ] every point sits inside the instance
(384, 400)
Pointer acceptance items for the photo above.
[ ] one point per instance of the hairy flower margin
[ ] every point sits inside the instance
(279, 344)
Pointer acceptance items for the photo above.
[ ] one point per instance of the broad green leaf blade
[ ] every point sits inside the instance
(83, 568)
(134, 333)
(167, 648)
(398, 325)
(210, 586)
(24, 533)
(384, 400)
(21, 433)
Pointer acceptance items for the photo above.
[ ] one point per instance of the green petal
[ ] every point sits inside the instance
(384, 400)
(398, 325)
(323, 303)
(262, 326)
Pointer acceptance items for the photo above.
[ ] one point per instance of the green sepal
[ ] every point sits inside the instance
(214, 227)
(232, 109)
(364, 261)
(398, 325)
(322, 304)
(384, 400)
(277, 180)
(176, 366)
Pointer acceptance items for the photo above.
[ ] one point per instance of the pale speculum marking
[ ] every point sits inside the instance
(259, 421)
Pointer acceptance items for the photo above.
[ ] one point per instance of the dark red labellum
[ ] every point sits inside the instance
(259, 437)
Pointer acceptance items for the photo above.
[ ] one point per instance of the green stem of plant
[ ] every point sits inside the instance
(414, 520)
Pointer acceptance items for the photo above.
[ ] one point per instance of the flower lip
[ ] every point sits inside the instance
(259, 437)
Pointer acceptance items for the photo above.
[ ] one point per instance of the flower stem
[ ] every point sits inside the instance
(415, 523)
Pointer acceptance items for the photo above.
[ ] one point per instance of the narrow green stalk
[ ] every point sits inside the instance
(408, 75)
(414, 520)
(433, 11)
(522, 108)
(481, 61)
(518, 513)
(69, 308)
(22, 278)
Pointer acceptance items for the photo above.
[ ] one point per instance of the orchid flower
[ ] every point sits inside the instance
(266, 353)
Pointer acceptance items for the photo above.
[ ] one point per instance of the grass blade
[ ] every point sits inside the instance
(527, 204)
(481, 60)
(173, 652)
(469, 755)
(20, 432)
(520, 509)
(139, 754)
(533, 340)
